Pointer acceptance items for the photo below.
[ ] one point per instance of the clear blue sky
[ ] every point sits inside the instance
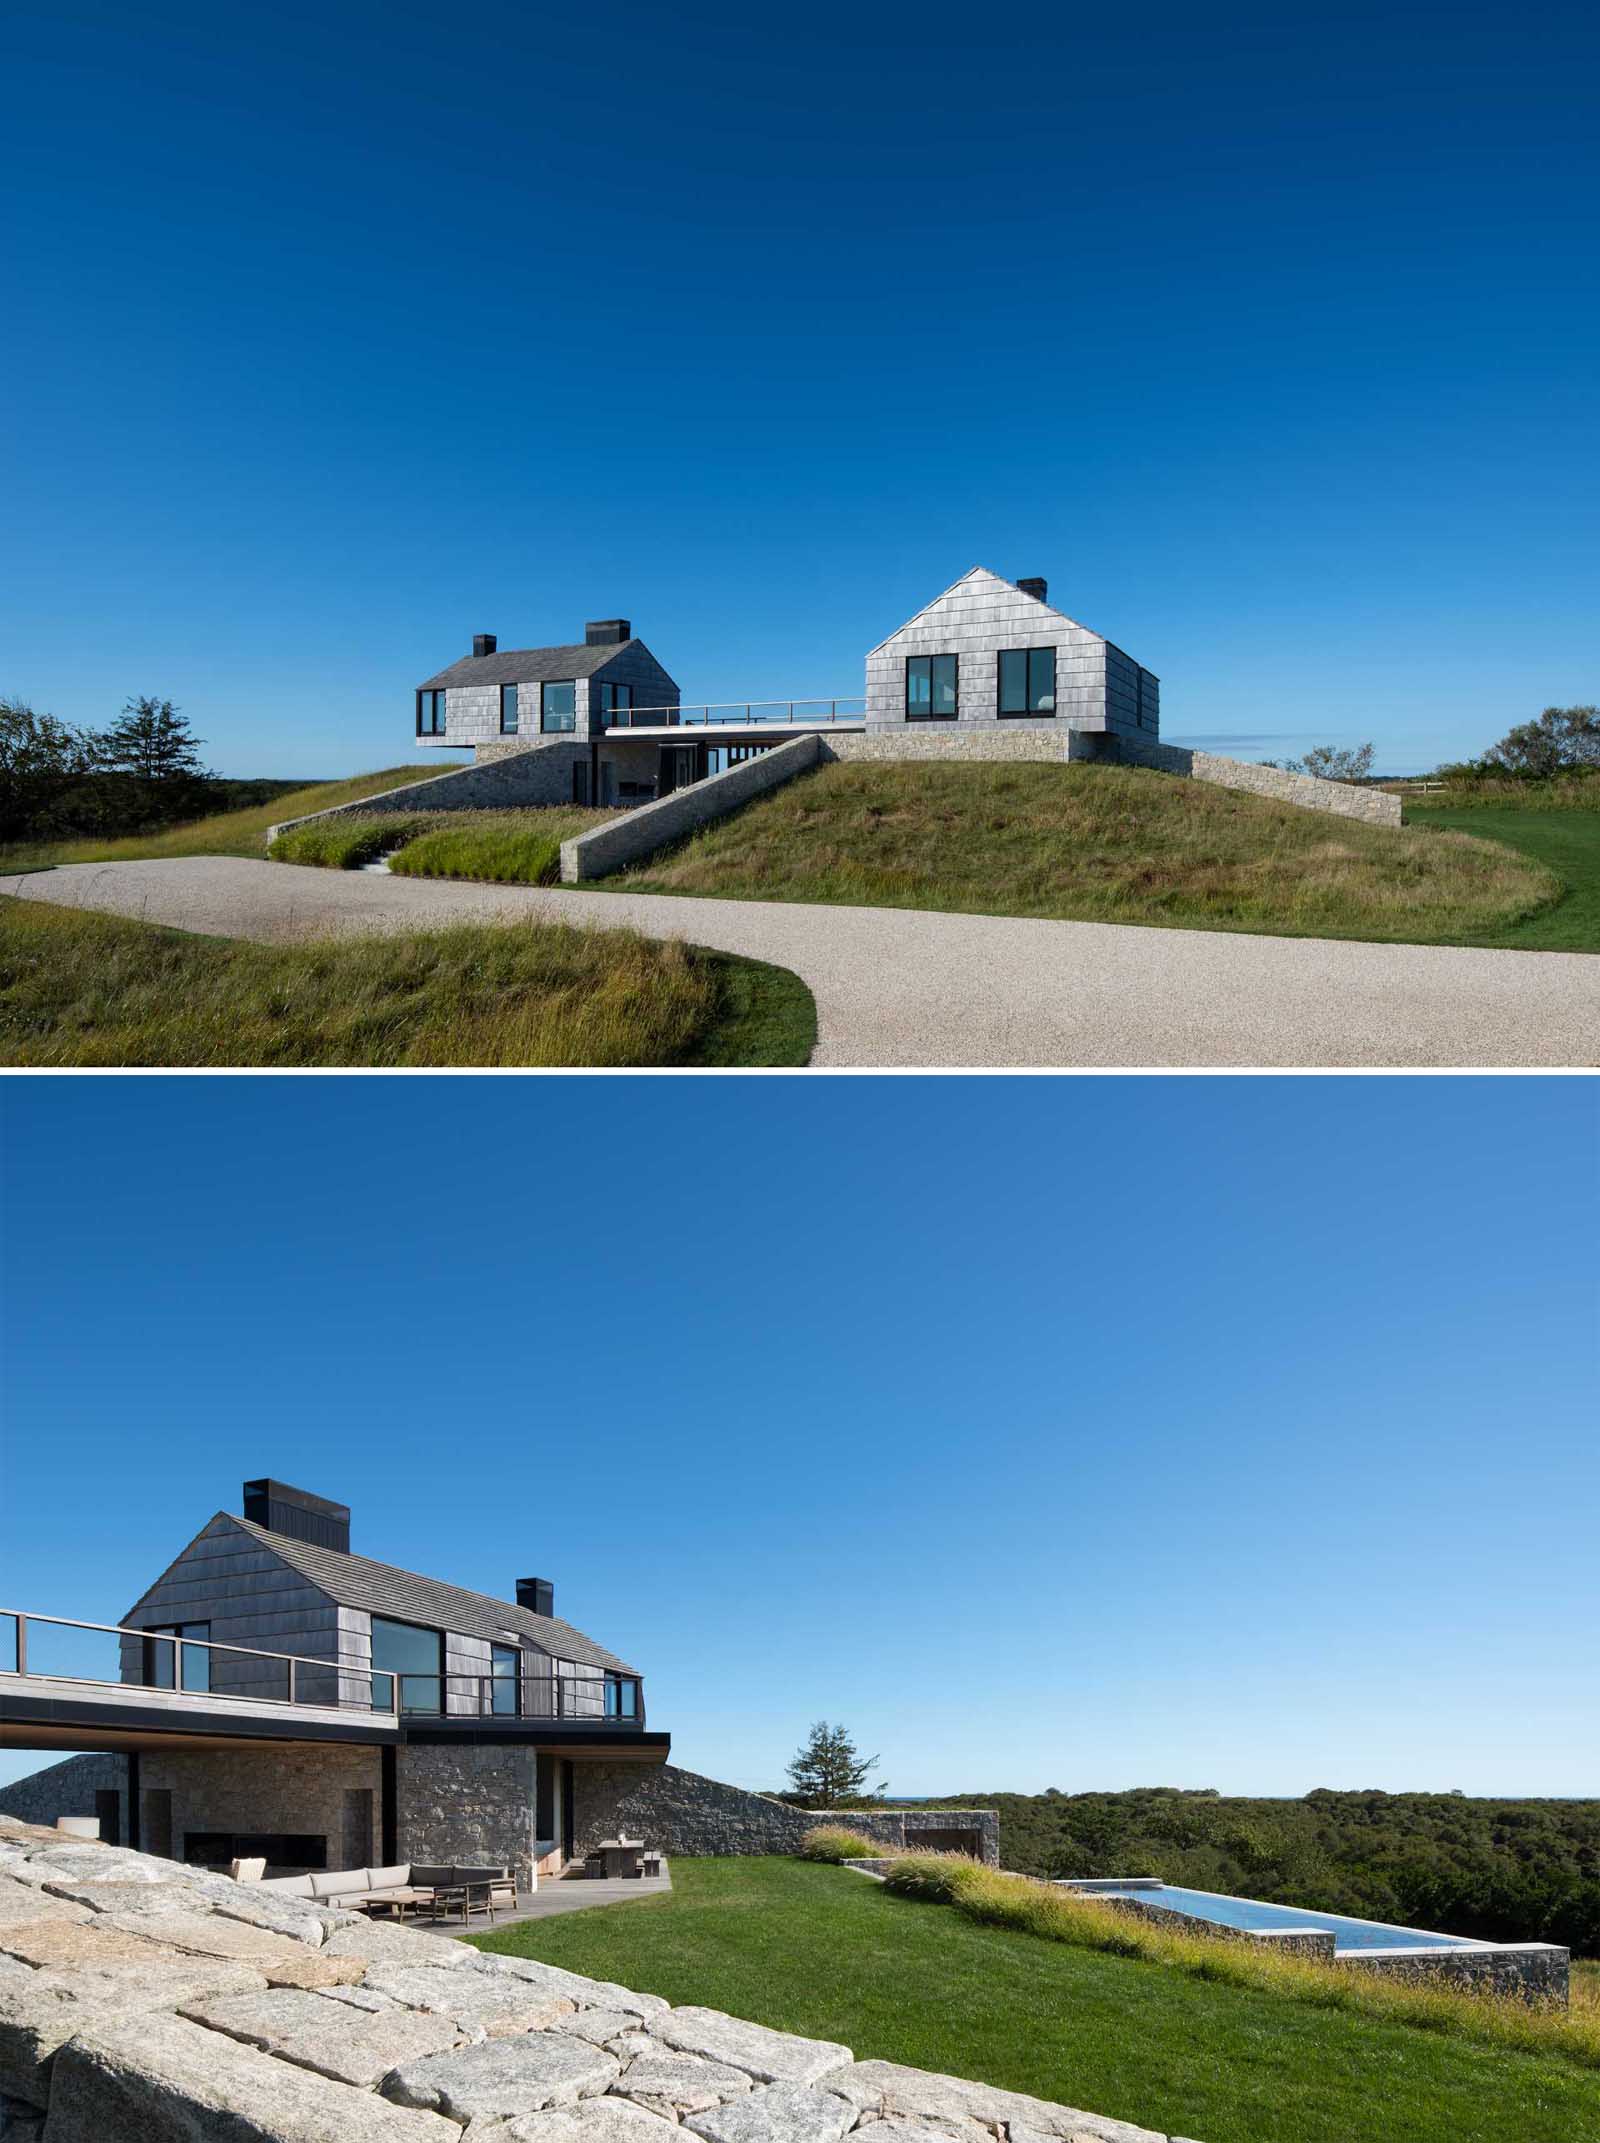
(1048, 1432)
(337, 333)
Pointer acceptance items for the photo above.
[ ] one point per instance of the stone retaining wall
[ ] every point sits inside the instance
(526, 774)
(683, 1813)
(67, 1789)
(140, 1999)
(1375, 807)
(466, 1803)
(637, 834)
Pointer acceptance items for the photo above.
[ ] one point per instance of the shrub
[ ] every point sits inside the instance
(832, 1841)
(342, 843)
(996, 1899)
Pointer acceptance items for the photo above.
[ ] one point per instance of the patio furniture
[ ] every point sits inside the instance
(621, 1857)
(443, 1889)
(594, 1864)
(247, 1871)
(649, 1864)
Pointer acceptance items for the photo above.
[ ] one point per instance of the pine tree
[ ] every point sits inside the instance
(153, 742)
(827, 1772)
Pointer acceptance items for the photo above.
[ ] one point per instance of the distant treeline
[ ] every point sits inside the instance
(1505, 1870)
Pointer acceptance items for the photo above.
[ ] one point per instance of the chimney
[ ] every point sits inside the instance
(484, 643)
(298, 1513)
(537, 1595)
(1035, 588)
(607, 632)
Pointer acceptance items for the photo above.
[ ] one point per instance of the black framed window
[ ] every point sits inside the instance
(408, 1662)
(622, 1697)
(931, 688)
(1027, 680)
(508, 710)
(614, 699)
(558, 706)
(430, 714)
(505, 1668)
(169, 1663)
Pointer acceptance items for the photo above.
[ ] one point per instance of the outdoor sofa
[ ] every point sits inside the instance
(409, 1884)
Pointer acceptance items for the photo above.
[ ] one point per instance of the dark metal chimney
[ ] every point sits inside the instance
(1036, 588)
(537, 1595)
(607, 632)
(484, 643)
(298, 1513)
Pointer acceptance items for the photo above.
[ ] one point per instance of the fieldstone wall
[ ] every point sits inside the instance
(67, 1789)
(535, 770)
(324, 1789)
(636, 834)
(466, 1803)
(1375, 807)
(143, 1999)
(682, 1812)
(1539, 1972)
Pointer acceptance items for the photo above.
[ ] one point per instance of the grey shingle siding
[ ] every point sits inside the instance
(472, 690)
(524, 665)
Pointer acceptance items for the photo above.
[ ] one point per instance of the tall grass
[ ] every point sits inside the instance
(994, 1899)
(228, 833)
(1102, 844)
(346, 842)
(84, 989)
(1505, 792)
(833, 1842)
(503, 847)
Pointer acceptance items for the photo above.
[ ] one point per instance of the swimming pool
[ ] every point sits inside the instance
(1255, 1916)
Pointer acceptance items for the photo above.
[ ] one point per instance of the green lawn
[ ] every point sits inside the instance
(79, 989)
(1101, 844)
(820, 1951)
(1566, 842)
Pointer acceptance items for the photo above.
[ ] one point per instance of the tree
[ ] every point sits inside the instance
(153, 742)
(1334, 762)
(40, 760)
(827, 1772)
(1563, 740)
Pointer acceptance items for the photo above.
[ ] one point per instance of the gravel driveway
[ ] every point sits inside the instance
(908, 987)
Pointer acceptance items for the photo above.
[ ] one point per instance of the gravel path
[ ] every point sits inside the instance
(908, 987)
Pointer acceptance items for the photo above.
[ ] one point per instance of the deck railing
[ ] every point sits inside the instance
(62, 1648)
(712, 712)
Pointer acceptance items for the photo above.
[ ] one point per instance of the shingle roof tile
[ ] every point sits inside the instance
(526, 666)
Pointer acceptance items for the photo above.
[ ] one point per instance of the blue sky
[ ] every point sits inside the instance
(1084, 1433)
(336, 334)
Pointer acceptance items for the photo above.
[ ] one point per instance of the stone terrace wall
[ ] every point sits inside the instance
(466, 1804)
(526, 774)
(140, 1999)
(66, 1789)
(681, 1812)
(1343, 798)
(640, 833)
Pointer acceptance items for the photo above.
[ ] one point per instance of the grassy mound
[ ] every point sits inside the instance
(503, 847)
(817, 1951)
(1564, 842)
(83, 989)
(344, 843)
(996, 1899)
(1100, 844)
(230, 833)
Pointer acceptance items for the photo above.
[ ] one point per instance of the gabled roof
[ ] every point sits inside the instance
(983, 572)
(383, 1589)
(528, 665)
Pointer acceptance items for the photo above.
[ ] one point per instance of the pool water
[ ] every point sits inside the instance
(1250, 1912)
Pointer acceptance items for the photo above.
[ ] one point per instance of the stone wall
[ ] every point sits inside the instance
(636, 834)
(682, 1812)
(67, 1789)
(219, 2011)
(1344, 799)
(535, 770)
(1314, 1942)
(322, 1789)
(466, 1803)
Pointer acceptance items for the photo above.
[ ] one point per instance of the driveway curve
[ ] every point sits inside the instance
(909, 987)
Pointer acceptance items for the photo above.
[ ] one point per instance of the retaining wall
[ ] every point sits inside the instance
(1373, 806)
(67, 1789)
(681, 1812)
(526, 774)
(637, 834)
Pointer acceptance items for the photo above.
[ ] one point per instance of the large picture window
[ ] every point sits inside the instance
(508, 710)
(1027, 680)
(169, 1663)
(558, 706)
(931, 688)
(415, 1658)
(430, 714)
(615, 703)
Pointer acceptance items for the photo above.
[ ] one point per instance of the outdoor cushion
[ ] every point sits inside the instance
(341, 1884)
(388, 1878)
(291, 1885)
(429, 1873)
(247, 1871)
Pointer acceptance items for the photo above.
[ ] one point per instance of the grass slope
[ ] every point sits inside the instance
(84, 989)
(1566, 842)
(1099, 844)
(822, 1952)
(230, 833)
(503, 847)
